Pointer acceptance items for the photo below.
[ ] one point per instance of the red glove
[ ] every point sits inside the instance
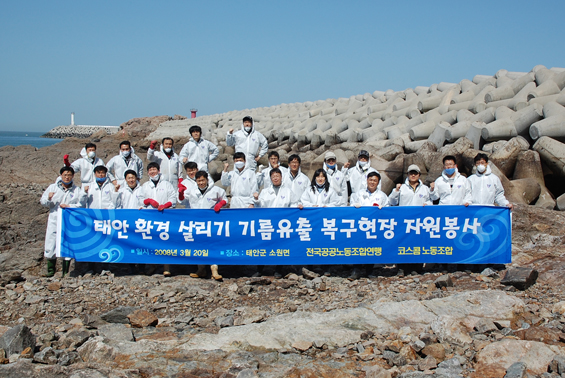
(375, 204)
(180, 181)
(152, 145)
(151, 202)
(219, 205)
(182, 188)
(66, 160)
(164, 206)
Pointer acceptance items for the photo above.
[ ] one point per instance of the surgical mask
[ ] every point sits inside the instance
(156, 177)
(67, 182)
(362, 163)
(126, 153)
(100, 180)
(330, 166)
(239, 164)
(449, 171)
(247, 129)
(168, 150)
(481, 168)
(91, 154)
(321, 185)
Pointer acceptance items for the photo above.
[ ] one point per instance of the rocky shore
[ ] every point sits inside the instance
(322, 321)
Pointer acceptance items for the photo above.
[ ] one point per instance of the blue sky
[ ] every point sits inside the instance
(110, 61)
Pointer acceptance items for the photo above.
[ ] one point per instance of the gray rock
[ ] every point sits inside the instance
(558, 364)
(74, 338)
(394, 358)
(66, 358)
(519, 277)
(16, 339)
(489, 272)
(443, 281)
(226, 321)
(46, 356)
(10, 276)
(516, 370)
(449, 368)
(258, 281)
(308, 274)
(247, 373)
(116, 331)
(119, 314)
(485, 326)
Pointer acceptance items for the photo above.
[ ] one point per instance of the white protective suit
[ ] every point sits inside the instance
(243, 185)
(129, 198)
(201, 152)
(163, 192)
(118, 165)
(171, 169)
(338, 182)
(357, 177)
(486, 189)
(314, 198)
(252, 145)
(264, 177)
(86, 166)
(71, 197)
(407, 196)
(269, 197)
(296, 184)
(459, 194)
(208, 200)
(366, 198)
(101, 197)
(191, 185)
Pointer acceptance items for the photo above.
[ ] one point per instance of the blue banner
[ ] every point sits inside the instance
(288, 236)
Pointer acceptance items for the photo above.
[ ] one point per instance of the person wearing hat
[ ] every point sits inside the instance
(249, 141)
(336, 178)
(357, 175)
(413, 192)
(198, 149)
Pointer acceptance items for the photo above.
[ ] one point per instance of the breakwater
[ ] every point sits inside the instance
(78, 131)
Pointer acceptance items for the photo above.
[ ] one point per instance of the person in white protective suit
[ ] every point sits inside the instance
(276, 194)
(101, 194)
(126, 160)
(294, 179)
(357, 175)
(413, 192)
(169, 163)
(320, 193)
(62, 194)
(264, 174)
(189, 183)
(85, 165)
(158, 193)
(249, 141)
(486, 188)
(371, 196)
(206, 196)
(198, 149)
(273, 196)
(337, 179)
(242, 180)
(130, 195)
(451, 188)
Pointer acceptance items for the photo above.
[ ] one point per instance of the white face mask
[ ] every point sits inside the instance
(126, 153)
(239, 164)
(91, 154)
(156, 177)
(168, 150)
(481, 168)
(247, 129)
(362, 163)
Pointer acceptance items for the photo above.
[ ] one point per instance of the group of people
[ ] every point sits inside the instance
(116, 185)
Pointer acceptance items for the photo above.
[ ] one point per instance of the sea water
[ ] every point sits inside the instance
(17, 138)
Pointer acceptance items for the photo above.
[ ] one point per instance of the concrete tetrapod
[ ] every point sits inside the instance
(517, 124)
(505, 158)
(553, 125)
(552, 153)
(528, 165)
(461, 128)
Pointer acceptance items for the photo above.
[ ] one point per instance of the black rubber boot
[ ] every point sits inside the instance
(66, 266)
(51, 267)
